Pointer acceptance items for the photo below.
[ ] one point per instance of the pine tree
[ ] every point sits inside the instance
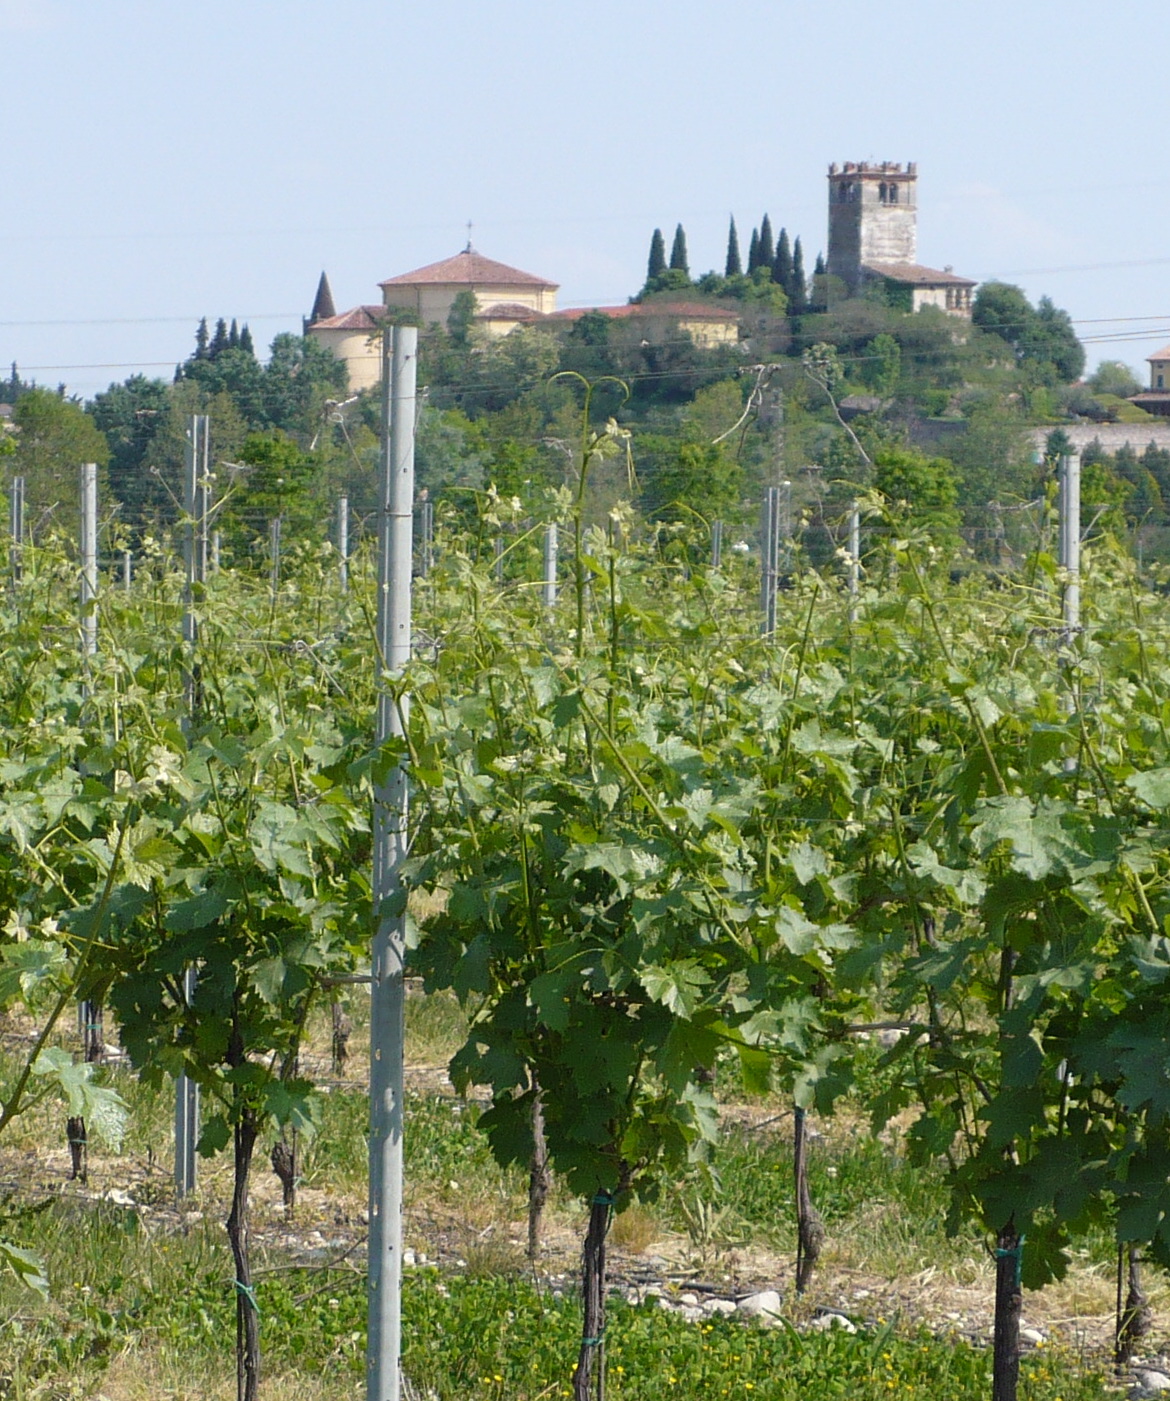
(234, 336)
(246, 340)
(782, 264)
(754, 252)
(734, 265)
(201, 340)
(767, 252)
(678, 252)
(798, 292)
(219, 341)
(657, 264)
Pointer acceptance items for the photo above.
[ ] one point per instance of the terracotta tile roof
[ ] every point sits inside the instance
(508, 311)
(918, 276)
(470, 268)
(681, 311)
(1163, 354)
(361, 318)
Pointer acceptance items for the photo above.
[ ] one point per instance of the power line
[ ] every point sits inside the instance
(153, 320)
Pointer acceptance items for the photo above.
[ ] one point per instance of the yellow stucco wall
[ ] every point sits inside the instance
(433, 302)
(361, 353)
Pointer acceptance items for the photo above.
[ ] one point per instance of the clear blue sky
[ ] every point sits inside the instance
(161, 161)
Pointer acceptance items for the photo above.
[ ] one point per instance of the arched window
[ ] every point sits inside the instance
(893, 194)
(883, 192)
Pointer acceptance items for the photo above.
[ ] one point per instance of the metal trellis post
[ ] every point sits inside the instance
(16, 526)
(716, 544)
(388, 987)
(769, 559)
(195, 484)
(550, 565)
(89, 581)
(343, 542)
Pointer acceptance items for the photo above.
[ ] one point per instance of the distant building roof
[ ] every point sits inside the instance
(680, 311)
(467, 268)
(1163, 354)
(323, 305)
(508, 311)
(361, 318)
(915, 275)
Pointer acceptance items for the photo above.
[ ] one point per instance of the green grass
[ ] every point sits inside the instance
(486, 1338)
(122, 1287)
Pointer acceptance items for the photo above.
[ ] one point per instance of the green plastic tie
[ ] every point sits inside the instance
(1016, 1253)
(248, 1292)
(604, 1198)
(593, 1342)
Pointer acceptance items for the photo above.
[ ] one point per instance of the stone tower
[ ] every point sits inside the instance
(873, 218)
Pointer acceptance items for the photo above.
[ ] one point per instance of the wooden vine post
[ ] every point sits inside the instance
(591, 1360)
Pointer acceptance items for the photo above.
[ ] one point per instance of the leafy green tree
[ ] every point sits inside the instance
(449, 454)
(656, 265)
(733, 266)
(782, 264)
(277, 481)
(1114, 377)
(678, 253)
(131, 415)
(921, 490)
(461, 317)
(13, 387)
(993, 460)
(54, 437)
(300, 376)
(766, 252)
(1042, 336)
(694, 480)
(1055, 340)
(232, 371)
(881, 364)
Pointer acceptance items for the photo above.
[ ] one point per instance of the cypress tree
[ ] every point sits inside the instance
(220, 340)
(234, 336)
(767, 252)
(754, 252)
(246, 339)
(734, 265)
(782, 264)
(201, 340)
(798, 293)
(678, 252)
(816, 301)
(657, 264)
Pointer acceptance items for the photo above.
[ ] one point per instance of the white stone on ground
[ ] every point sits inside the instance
(825, 1321)
(765, 1306)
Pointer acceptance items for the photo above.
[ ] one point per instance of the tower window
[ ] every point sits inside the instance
(883, 192)
(893, 194)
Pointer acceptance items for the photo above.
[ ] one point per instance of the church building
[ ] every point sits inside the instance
(505, 298)
(873, 238)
